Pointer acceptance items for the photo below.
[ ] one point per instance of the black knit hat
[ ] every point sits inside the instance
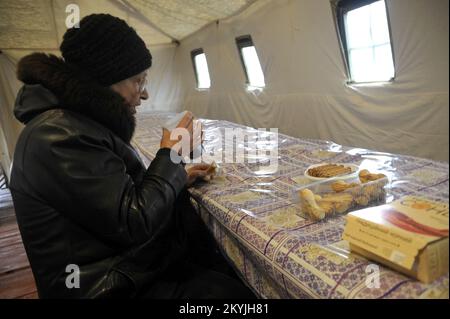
(106, 48)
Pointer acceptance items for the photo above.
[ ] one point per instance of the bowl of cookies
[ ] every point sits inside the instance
(338, 171)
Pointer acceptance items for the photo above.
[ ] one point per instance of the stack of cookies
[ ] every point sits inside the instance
(329, 170)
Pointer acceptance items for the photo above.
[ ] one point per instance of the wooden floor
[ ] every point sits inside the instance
(16, 278)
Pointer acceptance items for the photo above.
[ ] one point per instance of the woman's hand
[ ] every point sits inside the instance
(186, 123)
(188, 139)
(196, 172)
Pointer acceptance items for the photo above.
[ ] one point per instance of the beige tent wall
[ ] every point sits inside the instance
(164, 82)
(306, 94)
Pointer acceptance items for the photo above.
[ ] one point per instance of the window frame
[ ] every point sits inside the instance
(194, 53)
(340, 8)
(242, 42)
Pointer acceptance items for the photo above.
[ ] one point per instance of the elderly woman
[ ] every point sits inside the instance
(83, 198)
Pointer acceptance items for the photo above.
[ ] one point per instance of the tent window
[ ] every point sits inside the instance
(250, 62)
(365, 36)
(201, 69)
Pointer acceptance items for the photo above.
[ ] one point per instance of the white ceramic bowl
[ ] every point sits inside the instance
(353, 174)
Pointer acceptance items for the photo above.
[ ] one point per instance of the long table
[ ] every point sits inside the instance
(280, 252)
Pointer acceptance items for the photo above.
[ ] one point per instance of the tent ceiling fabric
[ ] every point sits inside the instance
(26, 24)
(40, 24)
(180, 18)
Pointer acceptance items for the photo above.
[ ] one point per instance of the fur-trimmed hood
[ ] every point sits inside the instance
(50, 83)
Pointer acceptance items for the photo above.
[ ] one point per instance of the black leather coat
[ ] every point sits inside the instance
(81, 194)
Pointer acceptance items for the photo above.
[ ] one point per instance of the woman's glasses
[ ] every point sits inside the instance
(142, 85)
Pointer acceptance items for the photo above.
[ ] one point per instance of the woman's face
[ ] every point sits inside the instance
(133, 90)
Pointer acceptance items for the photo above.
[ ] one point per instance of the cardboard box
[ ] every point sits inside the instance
(409, 235)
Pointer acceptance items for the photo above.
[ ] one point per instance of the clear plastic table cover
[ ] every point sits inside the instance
(278, 250)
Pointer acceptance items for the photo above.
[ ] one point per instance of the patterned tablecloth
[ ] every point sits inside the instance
(280, 252)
